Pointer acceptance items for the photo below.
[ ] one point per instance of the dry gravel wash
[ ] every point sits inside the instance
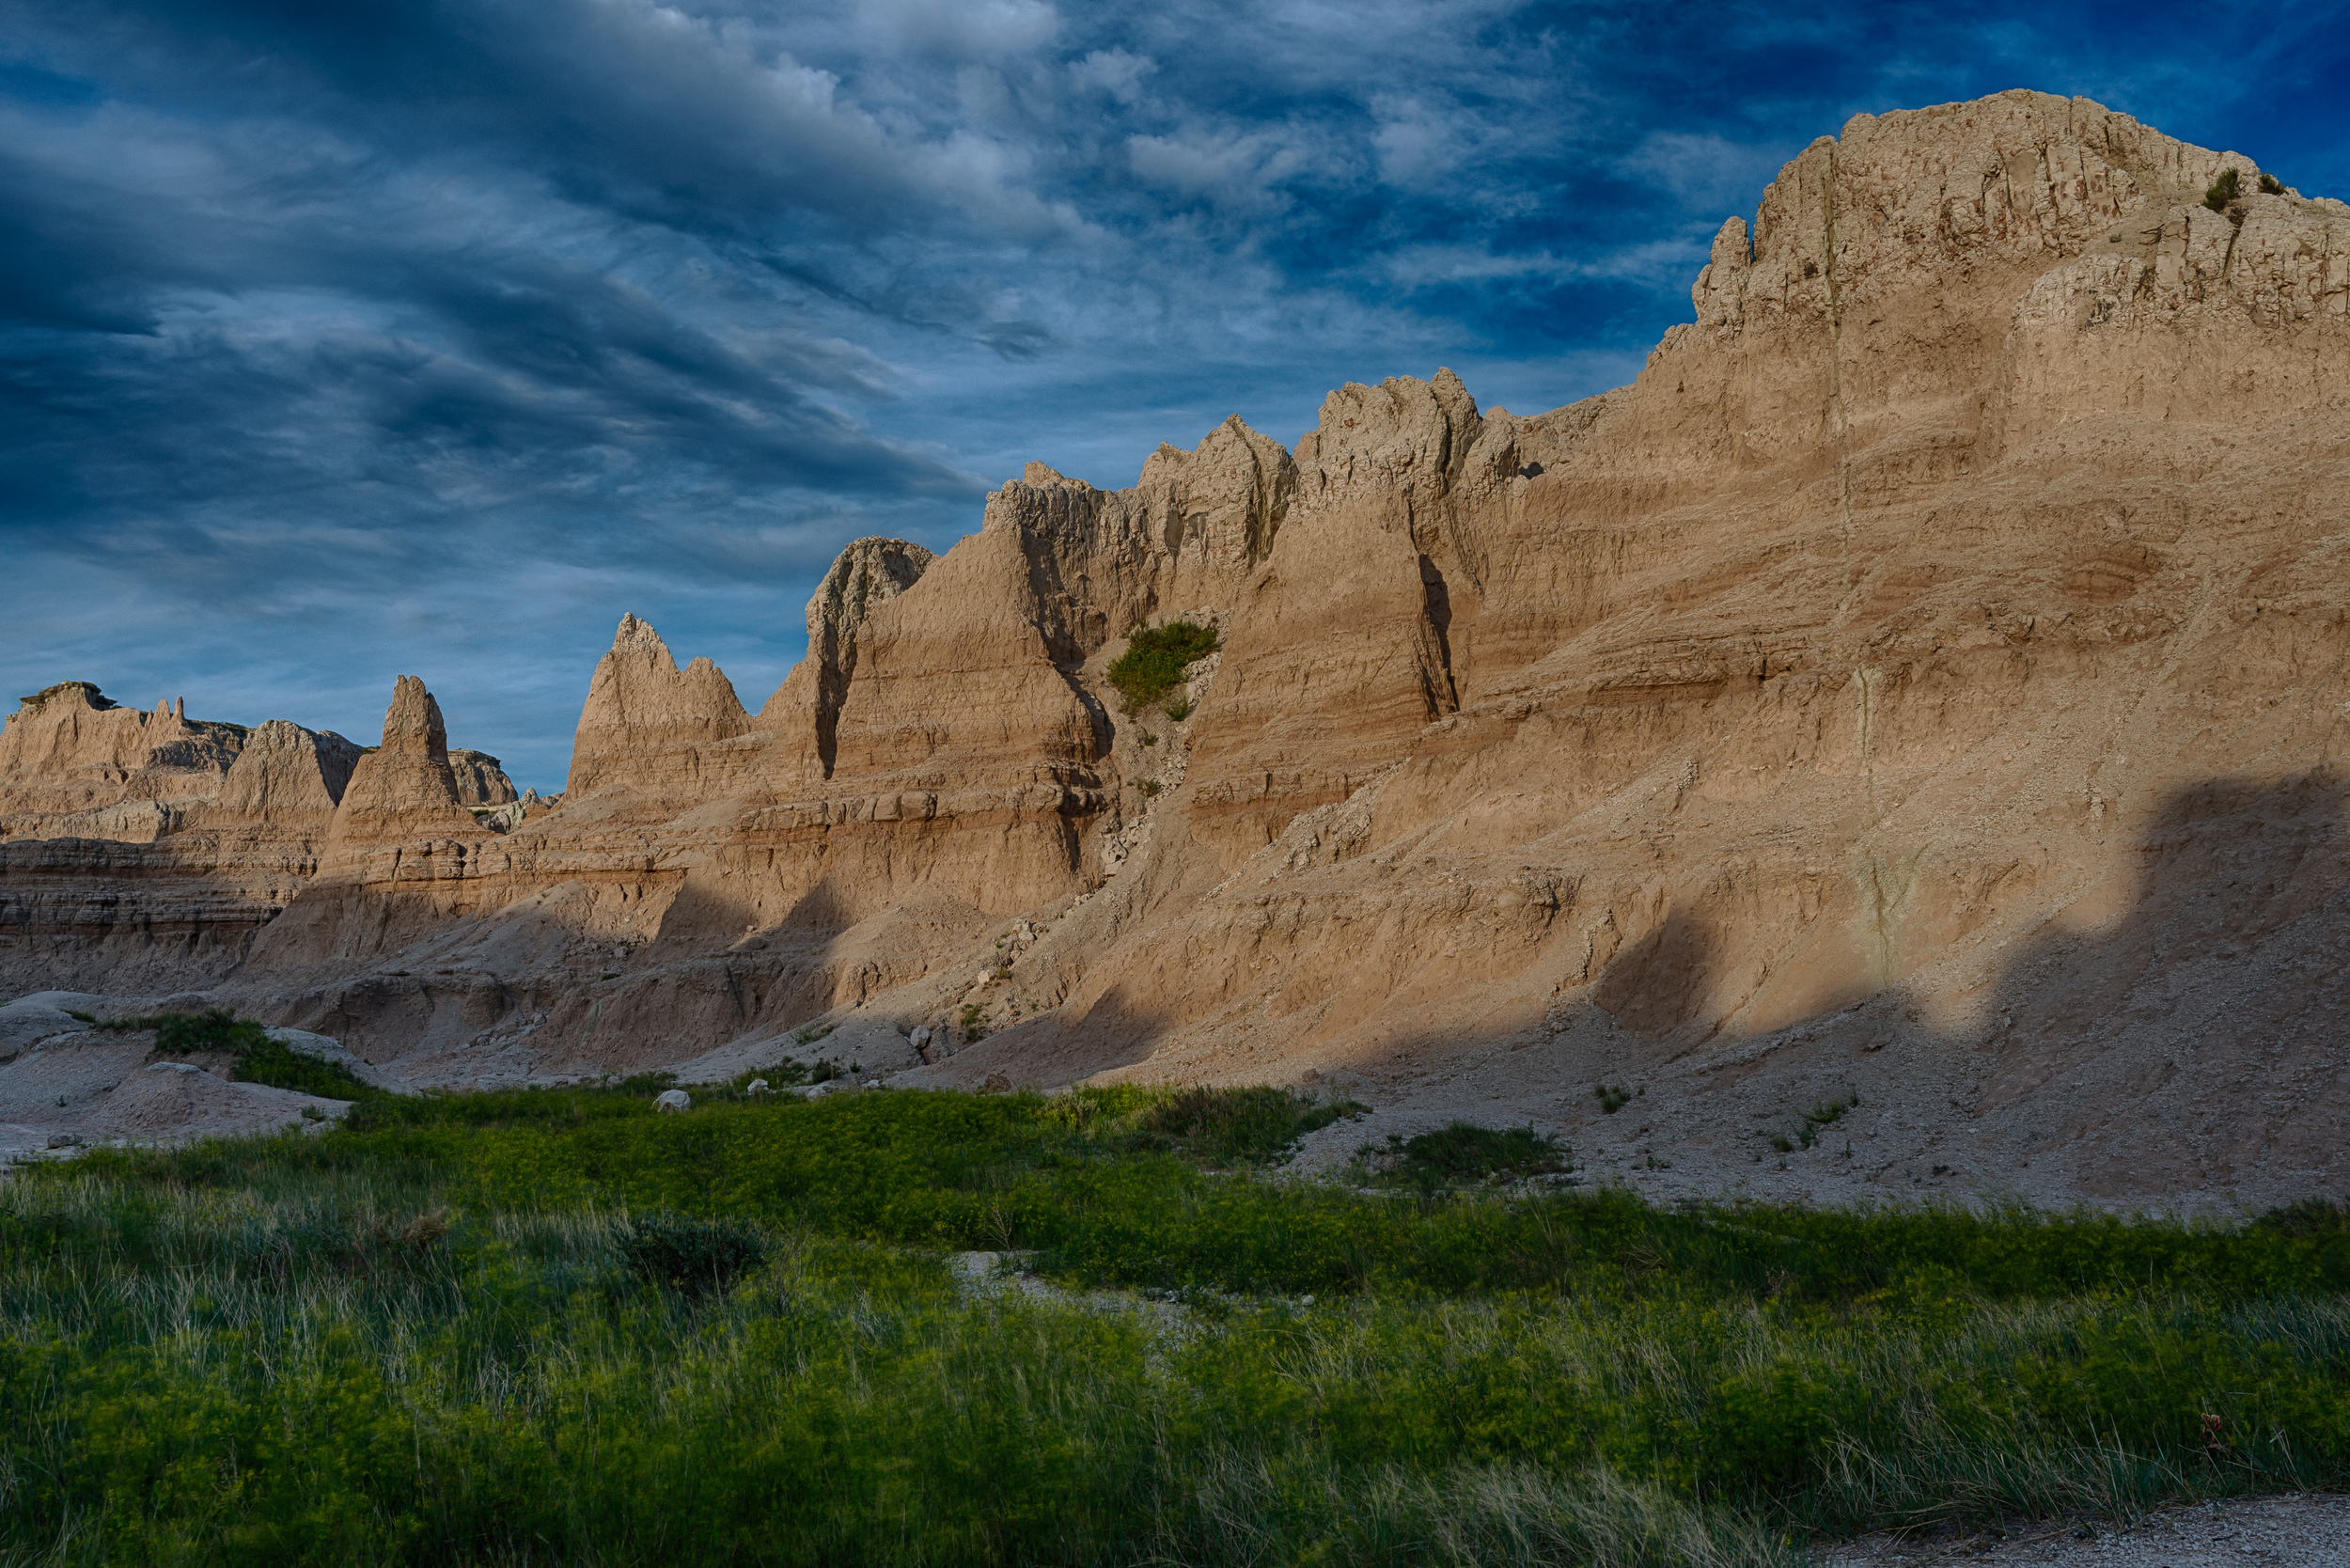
(2258, 1532)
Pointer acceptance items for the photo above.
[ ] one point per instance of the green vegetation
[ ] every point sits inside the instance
(1806, 1131)
(1462, 1153)
(551, 1325)
(1154, 663)
(2271, 185)
(255, 1057)
(699, 1257)
(1612, 1097)
(2222, 191)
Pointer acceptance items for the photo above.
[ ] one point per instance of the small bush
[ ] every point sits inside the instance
(973, 1023)
(2222, 191)
(1463, 1151)
(256, 1058)
(1154, 659)
(695, 1257)
(1178, 710)
(1612, 1097)
(2271, 185)
(2306, 1218)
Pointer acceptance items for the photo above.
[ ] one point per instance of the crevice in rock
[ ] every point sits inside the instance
(1439, 610)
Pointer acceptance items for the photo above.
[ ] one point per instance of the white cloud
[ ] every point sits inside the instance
(965, 29)
(1709, 173)
(1114, 72)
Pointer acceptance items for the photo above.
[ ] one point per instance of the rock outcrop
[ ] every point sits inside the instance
(1919, 684)
(285, 776)
(649, 726)
(864, 576)
(73, 765)
(405, 789)
(481, 778)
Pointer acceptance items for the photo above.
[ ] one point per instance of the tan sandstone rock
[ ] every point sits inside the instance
(1915, 686)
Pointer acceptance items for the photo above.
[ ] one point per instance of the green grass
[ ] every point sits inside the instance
(1154, 663)
(255, 1057)
(1464, 1153)
(554, 1327)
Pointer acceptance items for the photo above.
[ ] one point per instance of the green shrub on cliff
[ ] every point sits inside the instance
(1153, 662)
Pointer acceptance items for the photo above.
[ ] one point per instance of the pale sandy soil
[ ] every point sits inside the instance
(2299, 1531)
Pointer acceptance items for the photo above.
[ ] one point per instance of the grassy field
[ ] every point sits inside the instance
(555, 1327)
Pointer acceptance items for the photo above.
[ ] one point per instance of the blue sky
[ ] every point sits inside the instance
(345, 341)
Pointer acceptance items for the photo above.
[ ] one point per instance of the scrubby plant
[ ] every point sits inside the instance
(2222, 189)
(694, 1256)
(1155, 660)
(255, 1057)
(973, 1023)
(411, 1341)
(2271, 185)
(1612, 1097)
(1828, 1111)
(1465, 1152)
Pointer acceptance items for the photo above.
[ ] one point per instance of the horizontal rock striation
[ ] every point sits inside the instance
(1920, 684)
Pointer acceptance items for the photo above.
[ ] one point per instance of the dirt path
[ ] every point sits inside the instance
(2297, 1532)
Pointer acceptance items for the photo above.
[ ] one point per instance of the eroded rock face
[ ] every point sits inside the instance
(286, 776)
(1916, 682)
(864, 576)
(648, 724)
(405, 788)
(481, 778)
(73, 765)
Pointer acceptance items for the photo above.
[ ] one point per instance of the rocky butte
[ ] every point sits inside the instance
(1925, 686)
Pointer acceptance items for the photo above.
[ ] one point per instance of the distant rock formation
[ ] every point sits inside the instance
(286, 776)
(646, 724)
(72, 763)
(864, 576)
(1915, 685)
(405, 788)
(481, 778)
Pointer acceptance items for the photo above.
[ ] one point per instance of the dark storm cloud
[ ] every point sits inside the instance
(339, 341)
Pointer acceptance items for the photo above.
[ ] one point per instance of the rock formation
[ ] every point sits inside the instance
(285, 776)
(647, 723)
(1921, 684)
(481, 778)
(73, 765)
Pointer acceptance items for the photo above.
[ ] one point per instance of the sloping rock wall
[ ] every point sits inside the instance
(1922, 679)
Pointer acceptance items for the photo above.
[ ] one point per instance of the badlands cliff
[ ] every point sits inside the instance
(1924, 683)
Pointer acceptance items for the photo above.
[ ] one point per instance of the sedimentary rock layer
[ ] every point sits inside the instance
(1923, 679)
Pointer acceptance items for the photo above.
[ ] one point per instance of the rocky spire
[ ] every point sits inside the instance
(405, 789)
(644, 716)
